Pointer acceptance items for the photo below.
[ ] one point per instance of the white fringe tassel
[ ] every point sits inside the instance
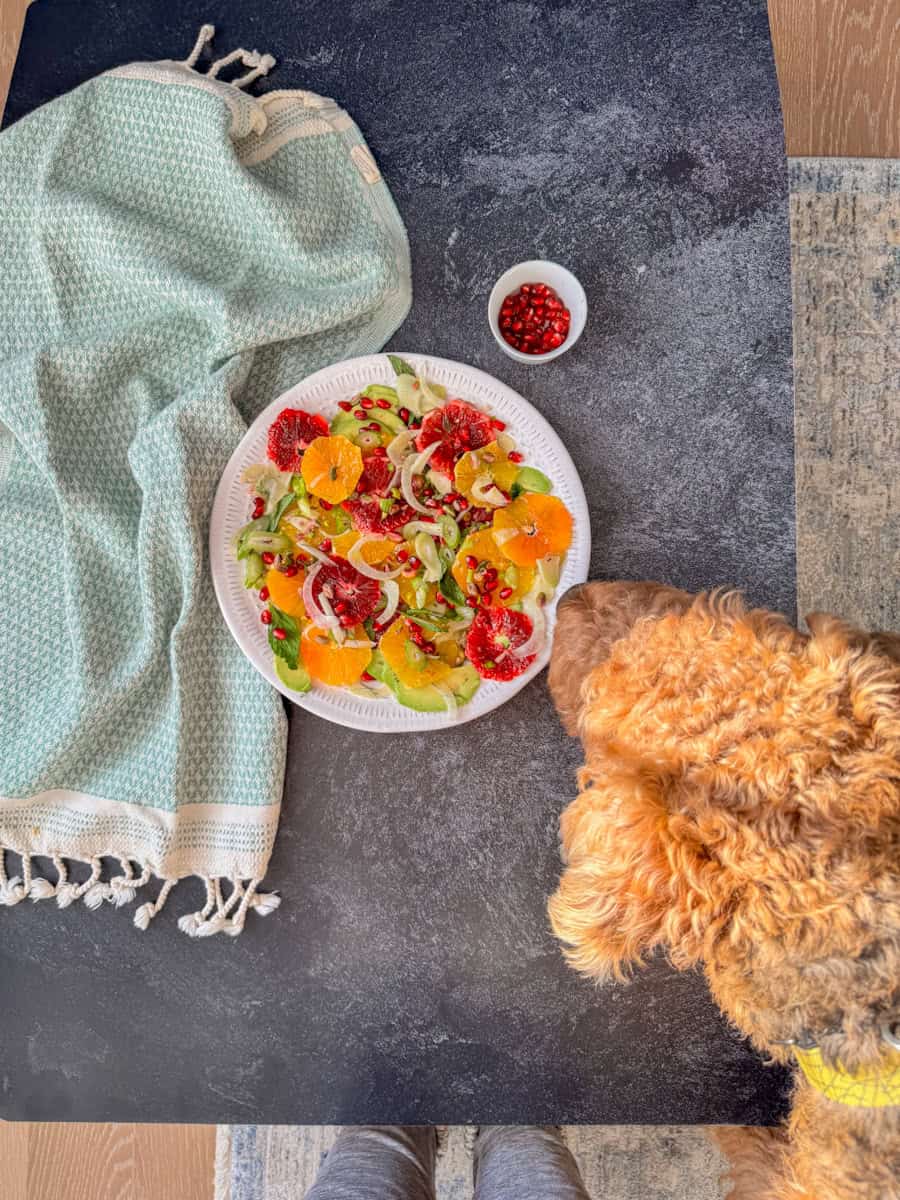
(260, 64)
(218, 915)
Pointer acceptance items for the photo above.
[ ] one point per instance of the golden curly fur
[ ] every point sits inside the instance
(740, 806)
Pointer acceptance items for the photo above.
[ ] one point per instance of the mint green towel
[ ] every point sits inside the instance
(174, 254)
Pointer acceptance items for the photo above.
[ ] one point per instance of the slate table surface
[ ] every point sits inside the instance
(409, 974)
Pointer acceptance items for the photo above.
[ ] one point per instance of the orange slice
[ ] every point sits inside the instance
(373, 552)
(285, 592)
(406, 660)
(532, 527)
(331, 468)
(490, 460)
(338, 666)
(482, 547)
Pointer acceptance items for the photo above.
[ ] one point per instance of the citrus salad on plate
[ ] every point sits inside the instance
(406, 550)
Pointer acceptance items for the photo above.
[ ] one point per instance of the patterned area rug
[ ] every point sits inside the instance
(845, 256)
(625, 1162)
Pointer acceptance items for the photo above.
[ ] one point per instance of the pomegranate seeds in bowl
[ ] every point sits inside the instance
(537, 311)
(534, 320)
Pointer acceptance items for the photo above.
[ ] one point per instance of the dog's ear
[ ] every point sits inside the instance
(637, 877)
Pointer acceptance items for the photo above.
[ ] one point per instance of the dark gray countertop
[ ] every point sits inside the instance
(410, 974)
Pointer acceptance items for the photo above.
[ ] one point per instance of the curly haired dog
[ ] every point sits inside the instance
(740, 806)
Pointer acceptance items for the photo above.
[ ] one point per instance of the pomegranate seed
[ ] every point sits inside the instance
(517, 326)
(266, 617)
(340, 606)
(264, 594)
(491, 573)
(505, 593)
(383, 403)
(430, 648)
(404, 415)
(402, 555)
(345, 405)
(279, 634)
(268, 557)
(486, 600)
(415, 563)
(556, 339)
(367, 677)
(290, 571)
(325, 545)
(367, 402)
(259, 507)
(515, 456)
(506, 323)
(327, 507)
(440, 598)
(558, 326)
(432, 502)
(491, 585)
(471, 562)
(360, 415)
(472, 601)
(498, 424)
(462, 502)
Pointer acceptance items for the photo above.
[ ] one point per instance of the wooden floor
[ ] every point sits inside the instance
(107, 1162)
(839, 70)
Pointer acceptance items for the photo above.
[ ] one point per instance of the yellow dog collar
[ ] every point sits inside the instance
(869, 1087)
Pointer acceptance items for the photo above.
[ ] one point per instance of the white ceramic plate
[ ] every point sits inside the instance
(320, 393)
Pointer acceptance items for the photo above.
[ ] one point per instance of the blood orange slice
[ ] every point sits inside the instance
(290, 434)
(458, 427)
(492, 640)
(352, 595)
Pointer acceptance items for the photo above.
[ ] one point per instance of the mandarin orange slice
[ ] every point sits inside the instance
(489, 461)
(411, 665)
(478, 555)
(376, 551)
(284, 592)
(331, 468)
(338, 666)
(532, 527)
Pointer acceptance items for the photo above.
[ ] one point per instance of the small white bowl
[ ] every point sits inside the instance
(565, 285)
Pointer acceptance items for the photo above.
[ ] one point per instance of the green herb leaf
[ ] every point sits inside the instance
(426, 618)
(401, 367)
(452, 591)
(287, 647)
(385, 504)
(278, 511)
